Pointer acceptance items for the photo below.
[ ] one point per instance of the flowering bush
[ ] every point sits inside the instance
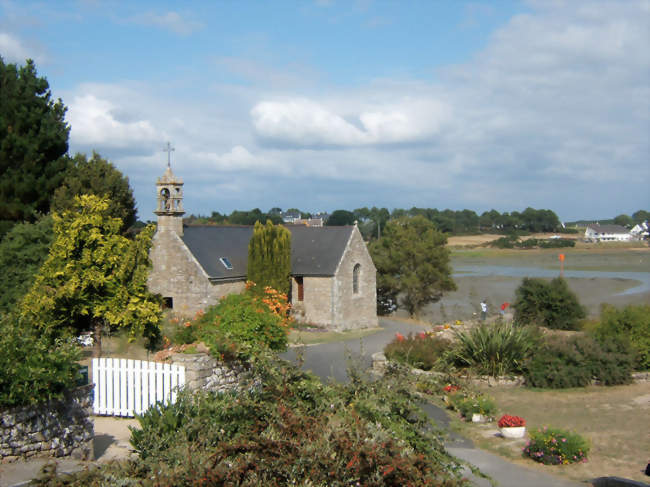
(451, 388)
(552, 446)
(239, 324)
(508, 421)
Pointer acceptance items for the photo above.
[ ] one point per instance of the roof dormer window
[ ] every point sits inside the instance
(226, 263)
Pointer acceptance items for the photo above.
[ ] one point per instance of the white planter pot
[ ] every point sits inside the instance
(513, 432)
(478, 418)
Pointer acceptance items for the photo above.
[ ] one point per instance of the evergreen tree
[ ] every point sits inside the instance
(22, 253)
(33, 141)
(269, 257)
(550, 304)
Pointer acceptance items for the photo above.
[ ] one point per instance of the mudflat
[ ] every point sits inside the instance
(617, 276)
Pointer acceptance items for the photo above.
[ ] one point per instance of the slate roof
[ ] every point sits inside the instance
(315, 251)
(608, 229)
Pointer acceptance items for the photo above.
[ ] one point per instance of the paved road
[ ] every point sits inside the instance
(330, 361)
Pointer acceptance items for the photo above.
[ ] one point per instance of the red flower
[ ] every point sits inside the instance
(451, 388)
(508, 421)
(422, 335)
(399, 337)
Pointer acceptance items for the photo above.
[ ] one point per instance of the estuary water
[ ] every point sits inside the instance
(643, 278)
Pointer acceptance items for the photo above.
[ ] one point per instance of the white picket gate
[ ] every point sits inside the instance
(124, 387)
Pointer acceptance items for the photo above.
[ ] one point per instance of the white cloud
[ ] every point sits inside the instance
(556, 105)
(306, 123)
(171, 21)
(14, 50)
(238, 159)
(98, 122)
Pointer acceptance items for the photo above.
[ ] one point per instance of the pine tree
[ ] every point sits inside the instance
(269, 257)
(33, 143)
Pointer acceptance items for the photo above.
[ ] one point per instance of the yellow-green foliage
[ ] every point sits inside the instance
(269, 257)
(93, 276)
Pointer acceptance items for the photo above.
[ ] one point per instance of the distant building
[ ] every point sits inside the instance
(333, 278)
(309, 222)
(606, 233)
(290, 216)
(640, 231)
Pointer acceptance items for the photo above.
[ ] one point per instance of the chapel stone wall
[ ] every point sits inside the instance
(177, 274)
(316, 308)
(355, 310)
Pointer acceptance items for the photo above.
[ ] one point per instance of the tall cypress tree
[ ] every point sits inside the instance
(269, 256)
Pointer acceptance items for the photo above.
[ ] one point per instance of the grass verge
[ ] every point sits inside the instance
(614, 420)
(304, 337)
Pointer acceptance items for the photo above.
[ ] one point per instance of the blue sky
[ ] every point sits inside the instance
(324, 105)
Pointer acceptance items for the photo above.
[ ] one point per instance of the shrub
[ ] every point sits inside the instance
(575, 362)
(422, 351)
(470, 403)
(507, 242)
(497, 349)
(507, 421)
(291, 430)
(551, 304)
(243, 323)
(557, 243)
(630, 325)
(34, 369)
(556, 447)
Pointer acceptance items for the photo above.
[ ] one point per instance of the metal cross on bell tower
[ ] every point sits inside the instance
(169, 149)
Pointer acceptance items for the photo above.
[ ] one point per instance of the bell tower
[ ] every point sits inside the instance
(169, 190)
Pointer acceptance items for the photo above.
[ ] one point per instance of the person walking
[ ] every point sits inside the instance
(483, 310)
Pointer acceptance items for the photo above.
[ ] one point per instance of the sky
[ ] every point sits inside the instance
(324, 104)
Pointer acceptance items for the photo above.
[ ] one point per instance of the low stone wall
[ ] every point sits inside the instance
(379, 364)
(57, 428)
(203, 372)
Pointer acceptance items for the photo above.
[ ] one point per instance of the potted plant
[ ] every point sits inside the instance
(512, 426)
(478, 409)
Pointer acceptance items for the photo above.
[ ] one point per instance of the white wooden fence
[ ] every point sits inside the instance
(124, 387)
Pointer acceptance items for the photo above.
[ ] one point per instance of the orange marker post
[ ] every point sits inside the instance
(561, 257)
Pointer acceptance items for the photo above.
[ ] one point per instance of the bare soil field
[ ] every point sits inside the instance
(614, 419)
(471, 240)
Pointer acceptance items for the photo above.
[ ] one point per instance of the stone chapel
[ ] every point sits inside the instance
(333, 278)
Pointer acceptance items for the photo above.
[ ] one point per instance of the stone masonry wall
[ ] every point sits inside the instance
(355, 310)
(203, 372)
(56, 428)
(176, 273)
(316, 308)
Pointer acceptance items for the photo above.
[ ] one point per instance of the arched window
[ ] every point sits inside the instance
(355, 278)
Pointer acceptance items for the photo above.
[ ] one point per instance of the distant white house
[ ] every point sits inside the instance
(640, 231)
(606, 233)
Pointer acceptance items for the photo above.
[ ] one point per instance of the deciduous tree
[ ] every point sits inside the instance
(412, 263)
(93, 277)
(99, 177)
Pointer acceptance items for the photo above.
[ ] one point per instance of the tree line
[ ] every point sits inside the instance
(372, 221)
